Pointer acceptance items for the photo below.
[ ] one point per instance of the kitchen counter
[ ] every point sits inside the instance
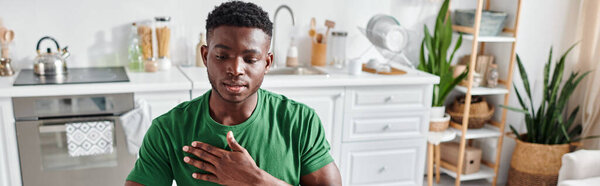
(335, 78)
(138, 82)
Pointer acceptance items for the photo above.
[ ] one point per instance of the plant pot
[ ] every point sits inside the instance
(535, 164)
(439, 124)
(437, 112)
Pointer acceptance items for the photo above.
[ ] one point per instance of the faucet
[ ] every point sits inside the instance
(275, 26)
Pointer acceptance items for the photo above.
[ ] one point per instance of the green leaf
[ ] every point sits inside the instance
(514, 109)
(519, 98)
(458, 43)
(525, 81)
(515, 131)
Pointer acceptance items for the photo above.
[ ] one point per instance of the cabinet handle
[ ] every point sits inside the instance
(382, 169)
(387, 127)
(389, 98)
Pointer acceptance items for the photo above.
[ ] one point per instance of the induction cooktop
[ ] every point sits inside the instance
(74, 76)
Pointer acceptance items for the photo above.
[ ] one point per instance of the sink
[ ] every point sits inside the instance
(296, 71)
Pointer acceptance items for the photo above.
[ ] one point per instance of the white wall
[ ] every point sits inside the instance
(97, 31)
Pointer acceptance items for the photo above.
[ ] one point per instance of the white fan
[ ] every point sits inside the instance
(389, 38)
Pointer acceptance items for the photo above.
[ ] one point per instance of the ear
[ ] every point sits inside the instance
(269, 61)
(204, 51)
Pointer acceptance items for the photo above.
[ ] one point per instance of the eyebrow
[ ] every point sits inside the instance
(222, 46)
(255, 51)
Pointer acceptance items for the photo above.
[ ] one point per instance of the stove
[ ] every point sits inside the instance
(74, 76)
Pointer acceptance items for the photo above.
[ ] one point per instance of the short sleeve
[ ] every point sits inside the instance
(153, 167)
(315, 148)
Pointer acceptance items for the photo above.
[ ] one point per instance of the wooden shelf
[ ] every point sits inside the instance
(484, 172)
(478, 91)
(487, 131)
(502, 38)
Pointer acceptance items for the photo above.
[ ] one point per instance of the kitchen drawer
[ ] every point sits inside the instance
(365, 126)
(395, 162)
(387, 98)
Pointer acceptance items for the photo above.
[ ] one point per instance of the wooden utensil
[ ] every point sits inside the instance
(319, 38)
(312, 32)
(7, 37)
(329, 24)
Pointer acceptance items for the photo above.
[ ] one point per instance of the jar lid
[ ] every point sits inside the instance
(162, 18)
(339, 33)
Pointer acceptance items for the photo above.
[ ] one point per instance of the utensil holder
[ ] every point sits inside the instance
(319, 54)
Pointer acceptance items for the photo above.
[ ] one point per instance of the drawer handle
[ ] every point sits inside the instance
(389, 99)
(382, 169)
(387, 127)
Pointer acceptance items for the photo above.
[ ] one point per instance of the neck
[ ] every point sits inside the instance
(229, 113)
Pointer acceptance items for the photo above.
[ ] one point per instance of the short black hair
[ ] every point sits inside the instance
(241, 14)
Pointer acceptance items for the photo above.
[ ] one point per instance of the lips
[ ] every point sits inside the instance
(235, 87)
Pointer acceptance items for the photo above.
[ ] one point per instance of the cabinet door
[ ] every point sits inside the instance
(327, 103)
(10, 171)
(162, 102)
(393, 162)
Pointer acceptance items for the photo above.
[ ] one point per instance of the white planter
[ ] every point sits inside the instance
(437, 112)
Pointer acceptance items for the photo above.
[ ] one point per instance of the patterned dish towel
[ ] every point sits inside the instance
(90, 138)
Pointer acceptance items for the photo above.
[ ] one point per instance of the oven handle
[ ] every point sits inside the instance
(53, 128)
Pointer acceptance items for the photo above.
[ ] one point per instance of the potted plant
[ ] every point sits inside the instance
(538, 152)
(434, 59)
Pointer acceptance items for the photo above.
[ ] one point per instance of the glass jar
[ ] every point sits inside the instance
(151, 65)
(163, 35)
(338, 49)
(492, 76)
(145, 34)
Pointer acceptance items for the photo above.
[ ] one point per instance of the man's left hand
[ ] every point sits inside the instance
(235, 167)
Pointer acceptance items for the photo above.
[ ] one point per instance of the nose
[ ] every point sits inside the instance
(237, 67)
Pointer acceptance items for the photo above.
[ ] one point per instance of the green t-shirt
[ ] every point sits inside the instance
(285, 138)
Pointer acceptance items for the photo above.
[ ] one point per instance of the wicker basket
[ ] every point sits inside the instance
(535, 164)
(480, 111)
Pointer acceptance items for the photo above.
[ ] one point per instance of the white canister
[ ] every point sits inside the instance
(355, 67)
(164, 64)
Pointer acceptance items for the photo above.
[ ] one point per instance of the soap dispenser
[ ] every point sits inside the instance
(292, 55)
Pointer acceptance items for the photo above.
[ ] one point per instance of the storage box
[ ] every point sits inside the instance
(472, 161)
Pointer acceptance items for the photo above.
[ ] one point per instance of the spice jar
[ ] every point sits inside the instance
(151, 65)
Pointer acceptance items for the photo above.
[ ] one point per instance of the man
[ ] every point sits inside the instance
(277, 141)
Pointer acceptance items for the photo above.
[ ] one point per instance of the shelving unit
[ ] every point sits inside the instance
(494, 129)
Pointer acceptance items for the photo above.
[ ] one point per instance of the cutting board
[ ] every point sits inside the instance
(394, 71)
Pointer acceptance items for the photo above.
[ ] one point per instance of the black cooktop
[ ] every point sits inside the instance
(74, 76)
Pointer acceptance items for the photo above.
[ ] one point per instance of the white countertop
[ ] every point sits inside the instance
(335, 77)
(170, 80)
(178, 78)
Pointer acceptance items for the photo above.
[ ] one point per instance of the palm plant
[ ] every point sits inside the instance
(434, 61)
(547, 125)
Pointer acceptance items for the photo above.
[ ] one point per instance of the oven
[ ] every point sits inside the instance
(44, 153)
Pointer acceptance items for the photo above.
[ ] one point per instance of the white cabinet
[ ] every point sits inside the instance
(383, 141)
(8, 149)
(162, 102)
(394, 162)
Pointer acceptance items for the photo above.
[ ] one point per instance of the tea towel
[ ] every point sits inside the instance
(89, 138)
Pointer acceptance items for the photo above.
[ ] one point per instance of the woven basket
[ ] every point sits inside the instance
(480, 111)
(535, 164)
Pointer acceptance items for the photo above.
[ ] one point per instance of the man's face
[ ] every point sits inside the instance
(236, 58)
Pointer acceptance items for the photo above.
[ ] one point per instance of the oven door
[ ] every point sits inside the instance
(45, 158)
